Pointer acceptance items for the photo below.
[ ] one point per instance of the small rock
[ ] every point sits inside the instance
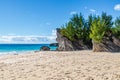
(45, 48)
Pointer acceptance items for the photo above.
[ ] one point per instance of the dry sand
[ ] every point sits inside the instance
(76, 65)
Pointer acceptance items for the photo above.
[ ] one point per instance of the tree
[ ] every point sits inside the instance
(116, 29)
(108, 23)
(69, 31)
(97, 29)
(78, 23)
(76, 28)
(81, 27)
(91, 18)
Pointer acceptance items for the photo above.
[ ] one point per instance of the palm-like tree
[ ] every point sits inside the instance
(97, 29)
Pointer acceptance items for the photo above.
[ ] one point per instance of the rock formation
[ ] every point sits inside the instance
(66, 45)
(107, 45)
(44, 48)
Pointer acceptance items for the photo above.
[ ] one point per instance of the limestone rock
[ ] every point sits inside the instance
(107, 45)
(45, 48)
(66, 45)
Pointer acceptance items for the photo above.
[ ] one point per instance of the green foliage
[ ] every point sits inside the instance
(116, 29)
(97, 29)
(108, 23)
(101, 27)
(78, 23)
(107, 19)
(117, 24)
(69, 31)
(89, 22)
(90, 19)
(76, 29)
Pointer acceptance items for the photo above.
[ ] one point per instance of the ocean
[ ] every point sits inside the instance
(21, 48)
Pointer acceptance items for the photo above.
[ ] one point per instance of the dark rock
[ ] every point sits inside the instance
(63, 43)
(66, 45)
(45, 48)
(107, 45)
(54, 44)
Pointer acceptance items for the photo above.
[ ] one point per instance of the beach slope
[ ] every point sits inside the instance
(53, 65)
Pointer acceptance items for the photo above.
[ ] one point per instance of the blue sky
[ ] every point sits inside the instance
(35, 21)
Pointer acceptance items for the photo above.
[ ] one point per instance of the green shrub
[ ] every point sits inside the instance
(76, 29)
(116, 29)
(69, 31)
(78, 23)
(97, 29)
(108, 23)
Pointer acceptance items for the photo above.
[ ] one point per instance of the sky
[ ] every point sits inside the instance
(35, 21)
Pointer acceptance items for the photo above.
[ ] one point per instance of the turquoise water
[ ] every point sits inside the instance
(18, 48)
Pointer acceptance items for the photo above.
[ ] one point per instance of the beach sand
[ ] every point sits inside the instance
(53, 65)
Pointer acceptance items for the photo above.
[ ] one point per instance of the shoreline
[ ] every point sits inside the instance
(62, 65)
(37, 51)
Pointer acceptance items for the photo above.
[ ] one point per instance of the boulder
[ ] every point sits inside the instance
(107, 45)
(44, 48)
(66, 45)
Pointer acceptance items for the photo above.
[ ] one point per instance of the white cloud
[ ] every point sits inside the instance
(73, 12)
(92, 10)
(48, 23)
(54, 32)
(27, 39)
(35, 39)
(117, 7)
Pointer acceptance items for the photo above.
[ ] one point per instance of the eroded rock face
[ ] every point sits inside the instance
(45, 48)
(63, 43)
(66, 45)
(107, 45)
(116, 41)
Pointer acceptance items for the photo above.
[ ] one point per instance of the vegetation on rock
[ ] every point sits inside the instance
(95, 28)
(76, 29)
